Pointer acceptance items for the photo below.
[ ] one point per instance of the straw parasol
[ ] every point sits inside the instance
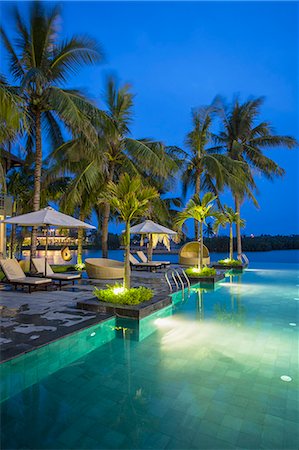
(155, 233)
(47, 217)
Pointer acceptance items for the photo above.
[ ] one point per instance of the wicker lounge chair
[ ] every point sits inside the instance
(14, 275)
(144, 259)
(188, 254)
(39, 265)
(152, 266)
(104, 269)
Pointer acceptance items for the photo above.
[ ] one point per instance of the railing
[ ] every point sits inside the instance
(243, 258)
(179, 278)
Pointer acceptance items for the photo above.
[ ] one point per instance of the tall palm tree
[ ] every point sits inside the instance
(41, 64)
(143, 157)
(209, 231)
(12, 121)
(228, 217)
(198, 209)
(116, 152)
(244, 138)
(206, 169)
(130, 199)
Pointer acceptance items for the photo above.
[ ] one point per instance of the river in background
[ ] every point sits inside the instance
(274, 256)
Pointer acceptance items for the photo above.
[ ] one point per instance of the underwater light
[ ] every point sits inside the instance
(285, 378)
(92, 334)
(296, 298)
(292, 324)
(119, 290)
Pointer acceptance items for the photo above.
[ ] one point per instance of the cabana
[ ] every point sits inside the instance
(190, 252)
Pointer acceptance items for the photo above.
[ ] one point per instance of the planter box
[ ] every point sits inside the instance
(213, 279)
(132, 311)
(239, 268)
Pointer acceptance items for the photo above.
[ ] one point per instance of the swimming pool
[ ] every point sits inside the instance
(204, 374)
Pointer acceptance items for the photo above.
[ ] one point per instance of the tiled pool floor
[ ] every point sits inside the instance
(208, 377)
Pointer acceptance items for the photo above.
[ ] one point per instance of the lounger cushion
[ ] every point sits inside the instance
(31, 280)
(65, 276)
(144, 259)
(12, 269)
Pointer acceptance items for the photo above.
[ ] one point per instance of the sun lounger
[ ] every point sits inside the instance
(39, 265)
(144, 259)
(14, 275)
(152, 266)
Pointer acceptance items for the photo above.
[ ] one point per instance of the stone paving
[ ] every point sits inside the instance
(28, 321)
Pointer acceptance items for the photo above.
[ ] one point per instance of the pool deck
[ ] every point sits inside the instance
(28, 321)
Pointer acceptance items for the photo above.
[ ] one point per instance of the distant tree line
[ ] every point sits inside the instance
(220, 244)
(255, 244)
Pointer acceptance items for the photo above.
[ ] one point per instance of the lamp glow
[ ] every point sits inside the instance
(286, 378)
(119, 290)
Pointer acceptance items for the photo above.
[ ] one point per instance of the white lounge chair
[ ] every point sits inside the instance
(14, 275)
(152, 266)
(40, 265)
(144, 259)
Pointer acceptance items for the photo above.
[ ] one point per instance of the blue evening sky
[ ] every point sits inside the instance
(180, 55)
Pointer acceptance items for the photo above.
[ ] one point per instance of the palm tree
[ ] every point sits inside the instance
(115, 152)
(207, 169)
(11, 122)
(40, 63)
(243, 138)
(200, 210)
(209, 232)
(130, 199)
(224, 217)
(143, 157)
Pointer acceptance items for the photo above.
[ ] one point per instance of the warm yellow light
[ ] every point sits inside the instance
(119, 290)
(195, 270)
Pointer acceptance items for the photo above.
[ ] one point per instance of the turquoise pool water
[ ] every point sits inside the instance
(205, 373)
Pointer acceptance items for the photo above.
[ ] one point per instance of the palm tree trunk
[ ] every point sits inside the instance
(238, 227)
(105, 225)
(127, 280)
(13, 231)
(150, 248)
(197, 192)
(201, 246)
(231, 241)
(37, 178)
(106, 216)
(80, 240)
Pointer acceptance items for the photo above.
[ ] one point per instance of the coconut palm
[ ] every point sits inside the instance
(198, 209)
(244, 138)
(130, 199)
(143, 157)
(209, 231)
(116, 152)
(207, 169)
(41, 64)
(228, 217)
(12, 121)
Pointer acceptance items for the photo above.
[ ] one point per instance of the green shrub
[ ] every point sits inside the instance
(118, 295)
(194, 272)
(230, 262)
(61, 268)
